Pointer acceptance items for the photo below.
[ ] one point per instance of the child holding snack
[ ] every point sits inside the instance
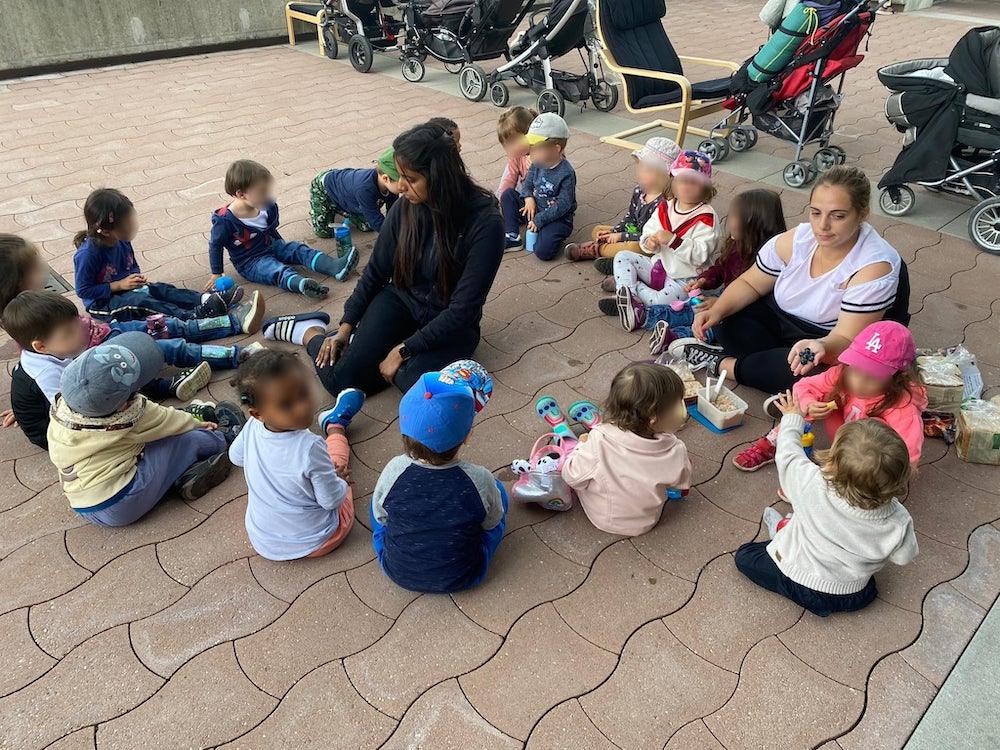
(300, 503)
(358, 195)
(652, 176)
(511, 128)
(847, 521)
(248, 228)
(645, 406)
(876, 379)
(679, 242)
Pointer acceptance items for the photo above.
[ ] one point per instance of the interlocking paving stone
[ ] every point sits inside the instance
(906, 586)
(81, 739)
(980, 582)
(25, 661)
(567, 726)
(945, 612)
(694, 736)
(42, 515)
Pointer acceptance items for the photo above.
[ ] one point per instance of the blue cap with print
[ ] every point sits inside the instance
(436, 413)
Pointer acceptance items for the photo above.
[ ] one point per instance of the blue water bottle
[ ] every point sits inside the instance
(344, 240)
(224, 283)
(530, 238)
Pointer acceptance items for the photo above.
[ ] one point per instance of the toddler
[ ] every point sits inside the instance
(652, 176)
(300, 504)
(547, 197)
(511, 128)
(119, 454)
(678, 242)
(847, 522)
(645, 406)
(108, 278)
(876, 379)
(358, 195)
(248, 228)
(436, 520)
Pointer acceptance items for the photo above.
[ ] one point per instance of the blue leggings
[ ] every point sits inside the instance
(491, 538)
(180, 351)
(147, 300)
(551, 237)
(275, 268)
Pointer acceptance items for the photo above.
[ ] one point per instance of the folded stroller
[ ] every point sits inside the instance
(566, 26)
(459, 33)
(794, 95)
(364, 25)
(949, 112)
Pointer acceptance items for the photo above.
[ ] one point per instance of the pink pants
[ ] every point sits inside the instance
(340, 452)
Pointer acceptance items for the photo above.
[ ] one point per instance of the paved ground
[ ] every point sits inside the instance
(172, 633)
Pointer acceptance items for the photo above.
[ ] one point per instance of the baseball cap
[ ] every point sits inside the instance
(387, 164)
(658, 153)
(546, 125)
(102, 379)
(436, 413)
(882, 349)
(693, 163)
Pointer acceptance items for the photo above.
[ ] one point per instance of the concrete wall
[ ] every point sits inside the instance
(45, 33)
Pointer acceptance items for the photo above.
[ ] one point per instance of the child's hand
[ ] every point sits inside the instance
(210, 426)
(130, 282)
(210, 286)
(788, 403)
(532, 226)
(694, 284)
(610, 237)
(530, 209)
(819, 410)
(344, 472)
(8, 418)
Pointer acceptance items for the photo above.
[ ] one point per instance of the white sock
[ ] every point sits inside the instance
(205, 296)
(298, 330)
(772, 436)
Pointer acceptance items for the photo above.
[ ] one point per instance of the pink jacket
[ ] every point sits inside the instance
(905, 419)
(622, 478)
(514, 173)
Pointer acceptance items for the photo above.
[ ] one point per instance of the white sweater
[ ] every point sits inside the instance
(696, 238)
(829, 545)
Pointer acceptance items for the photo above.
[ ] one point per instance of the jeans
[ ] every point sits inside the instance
(490, 541)
(147, 300)
(161, 464)
(551, 237)
(386, 324)
(753, 561)
(180, 351)
(275, 268)
(679, 320)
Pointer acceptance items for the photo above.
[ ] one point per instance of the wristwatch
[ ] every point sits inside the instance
(404, 353)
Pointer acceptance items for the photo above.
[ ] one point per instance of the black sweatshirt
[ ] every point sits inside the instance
(478, 255)
(30, 407)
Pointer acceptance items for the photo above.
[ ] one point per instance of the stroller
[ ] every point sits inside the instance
(458, 33)
(566, 26)
(797, 103)
(364, 25)
(949, 111)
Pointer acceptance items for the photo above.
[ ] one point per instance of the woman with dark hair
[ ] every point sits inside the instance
(419, 301)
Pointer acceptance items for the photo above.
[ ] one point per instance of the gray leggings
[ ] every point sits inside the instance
(161, 464)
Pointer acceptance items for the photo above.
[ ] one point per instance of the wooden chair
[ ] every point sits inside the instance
(311, 13)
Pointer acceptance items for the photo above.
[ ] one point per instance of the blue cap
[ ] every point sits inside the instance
(437, 414)
(101, 380)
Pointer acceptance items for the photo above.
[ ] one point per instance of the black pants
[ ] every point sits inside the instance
(386, 324)
(753, 561)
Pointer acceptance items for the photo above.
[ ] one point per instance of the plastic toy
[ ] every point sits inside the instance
(224, 283)
(808, 438)
(693, 299)
(539, 478)
(675, 494)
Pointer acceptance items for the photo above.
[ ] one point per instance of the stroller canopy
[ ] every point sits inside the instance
(934, 101)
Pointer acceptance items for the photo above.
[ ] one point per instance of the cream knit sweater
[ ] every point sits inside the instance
(829, 545)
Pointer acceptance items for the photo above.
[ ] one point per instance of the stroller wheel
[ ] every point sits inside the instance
(453, 67)
(742, 138)
(412, 69)
(499, 94)
(841, 154)
(798, 173)
(361, 52)
(897, 200)
(330, 45)
(984, 225)
(472, 82)
(550, 100)
(826, 158)
(604, 96)
(715, 149)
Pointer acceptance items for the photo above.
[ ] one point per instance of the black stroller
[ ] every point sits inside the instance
(365, 26)
(566, 26)
(458, 33)
(949, 110)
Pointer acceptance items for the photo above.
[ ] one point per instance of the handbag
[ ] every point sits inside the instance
(540, 477)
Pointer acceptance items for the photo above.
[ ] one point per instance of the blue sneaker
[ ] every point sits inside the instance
(512, 241)
(350, 264)
(349, 403)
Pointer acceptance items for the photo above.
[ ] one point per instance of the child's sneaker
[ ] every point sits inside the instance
(313, 289)
(698, 355)
(203, 475)
(758, 455)
(512, 241)
(586, 413)
(230, 418)
(609, 285)
(608, 306)
(249, 350)
(550, 413)
(348, 404)
(212, 307)
(577, 251)
(187, 383)
(231, 296)
(661, 338)
(631, 311)
(250, 313)
(203, 411)
(605, 266)
(349, 265)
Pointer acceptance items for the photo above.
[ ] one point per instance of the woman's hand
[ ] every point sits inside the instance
(8, 419)
(391, 364)
(705, 304)
(787, 403)
(333, 347)
(801, 365)
(705, 319)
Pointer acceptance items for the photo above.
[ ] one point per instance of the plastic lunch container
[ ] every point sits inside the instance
(722, 420)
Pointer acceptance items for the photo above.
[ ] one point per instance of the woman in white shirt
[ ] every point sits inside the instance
(813, 288)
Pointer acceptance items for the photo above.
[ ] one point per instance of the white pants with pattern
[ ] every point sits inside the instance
(635, 271)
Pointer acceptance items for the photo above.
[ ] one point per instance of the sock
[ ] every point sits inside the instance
(772, 436)
(294, 283)
(298, 330)
(327, 265)
(205, 296)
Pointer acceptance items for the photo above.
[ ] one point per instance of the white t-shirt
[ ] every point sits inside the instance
(46, 370)
(820, 300)
(257, 222)
(294, 491)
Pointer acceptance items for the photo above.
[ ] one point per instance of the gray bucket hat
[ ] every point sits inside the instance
(101, 380)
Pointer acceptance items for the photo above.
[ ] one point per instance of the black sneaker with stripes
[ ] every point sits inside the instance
(698, 355)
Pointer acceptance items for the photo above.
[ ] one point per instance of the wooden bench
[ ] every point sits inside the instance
(311, 13)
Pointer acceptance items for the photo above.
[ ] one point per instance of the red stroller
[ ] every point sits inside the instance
(800, 102)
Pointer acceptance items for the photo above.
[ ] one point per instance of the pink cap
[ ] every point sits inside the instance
(882, 349)
(693, 163)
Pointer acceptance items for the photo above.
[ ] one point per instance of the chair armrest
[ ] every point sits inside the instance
(708, 61)
(680, 80)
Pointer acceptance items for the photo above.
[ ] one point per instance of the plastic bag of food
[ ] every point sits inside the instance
(979, 432)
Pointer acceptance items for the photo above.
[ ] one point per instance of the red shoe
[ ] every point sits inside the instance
(758, 455)
(576, 251)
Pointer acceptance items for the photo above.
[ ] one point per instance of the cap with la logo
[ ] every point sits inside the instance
(882, 349)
